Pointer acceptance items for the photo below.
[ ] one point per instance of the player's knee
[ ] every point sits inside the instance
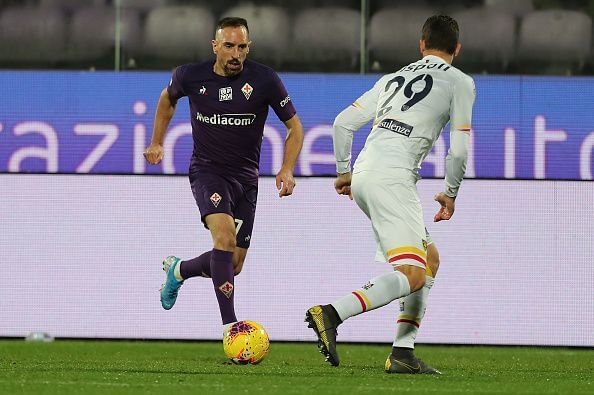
(225, 241)
(416, 280)
(237, 265)
(432, 260)
(415, 276)
(238, 259)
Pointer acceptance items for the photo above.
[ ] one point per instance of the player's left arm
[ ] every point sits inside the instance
(285, 182)
(460, 121)
(281, 103)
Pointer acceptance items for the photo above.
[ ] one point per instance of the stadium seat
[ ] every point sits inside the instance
(32, 35)
(394, 35)
(554, 41)
(71, 5)
(327, 37)
(488, 39)
(179, 33)
(269, 31)
(516, 8)
(92, 33)
(143, 5)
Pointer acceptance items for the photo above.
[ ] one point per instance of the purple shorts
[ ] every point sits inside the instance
(222, 194)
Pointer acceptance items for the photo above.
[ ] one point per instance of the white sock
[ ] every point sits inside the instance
(177, 273)
(227, 326)
(412, 310)
(376, 293)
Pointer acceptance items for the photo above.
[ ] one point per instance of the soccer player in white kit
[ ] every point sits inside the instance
(409, 109)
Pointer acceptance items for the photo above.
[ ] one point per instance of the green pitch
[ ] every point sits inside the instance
(102, 367)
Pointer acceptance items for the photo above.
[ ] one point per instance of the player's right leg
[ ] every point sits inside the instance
(173, 282)
(324, 320)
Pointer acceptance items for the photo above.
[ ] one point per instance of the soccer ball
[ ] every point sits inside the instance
(245, 342)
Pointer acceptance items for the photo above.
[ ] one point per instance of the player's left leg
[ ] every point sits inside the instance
(412, 310)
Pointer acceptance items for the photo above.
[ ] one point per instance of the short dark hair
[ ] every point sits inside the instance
(441, 32)
(232, 21)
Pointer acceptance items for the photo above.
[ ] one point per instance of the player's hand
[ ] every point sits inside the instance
(285, 182)
(154, 154)
(342, 184)
(448, 205)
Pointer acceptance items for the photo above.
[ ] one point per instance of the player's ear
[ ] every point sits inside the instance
(422, 45)
(248, 47)
(457, 50)
(214, 46)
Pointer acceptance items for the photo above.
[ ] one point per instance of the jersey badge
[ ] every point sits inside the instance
(203, 91)
(215, 198)
(247, 91)
(225, 94)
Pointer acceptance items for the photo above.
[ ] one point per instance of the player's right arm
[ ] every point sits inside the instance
(345, 125)
(165, 111)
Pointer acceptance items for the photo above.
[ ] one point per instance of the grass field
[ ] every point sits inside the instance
(122, 367)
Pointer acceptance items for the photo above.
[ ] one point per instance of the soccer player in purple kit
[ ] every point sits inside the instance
(229, 99)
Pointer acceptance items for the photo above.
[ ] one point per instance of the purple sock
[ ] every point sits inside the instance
(199, 266)
(221, 269)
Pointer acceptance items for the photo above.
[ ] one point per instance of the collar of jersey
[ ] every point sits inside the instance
(434, 58)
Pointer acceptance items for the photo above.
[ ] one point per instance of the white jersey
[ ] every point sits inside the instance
(409, 109)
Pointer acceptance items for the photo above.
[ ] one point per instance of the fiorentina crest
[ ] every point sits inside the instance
(227, 289)
(247, 90)
(215, 198)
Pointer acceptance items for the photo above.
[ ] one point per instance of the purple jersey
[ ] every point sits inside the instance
(228, 115)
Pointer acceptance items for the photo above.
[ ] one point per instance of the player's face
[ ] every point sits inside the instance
(231, 45)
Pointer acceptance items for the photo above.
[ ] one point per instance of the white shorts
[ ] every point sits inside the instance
(392, 204)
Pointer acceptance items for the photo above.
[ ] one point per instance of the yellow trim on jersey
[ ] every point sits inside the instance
(464, 128)
(409, 249)
(355, 104)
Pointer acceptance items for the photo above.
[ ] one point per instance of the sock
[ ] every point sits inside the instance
(221, 271)
(376, 293)
(177, 273)
(412, 310)
(199, 266)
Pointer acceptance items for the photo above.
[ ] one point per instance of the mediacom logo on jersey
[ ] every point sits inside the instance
(227, 119)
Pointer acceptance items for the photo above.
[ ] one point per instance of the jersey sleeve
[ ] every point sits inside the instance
(461, 125)
(176, 85)
(280, 101)
(348, 122)
(462, 102)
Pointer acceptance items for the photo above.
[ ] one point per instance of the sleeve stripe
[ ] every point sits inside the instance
(464, 128)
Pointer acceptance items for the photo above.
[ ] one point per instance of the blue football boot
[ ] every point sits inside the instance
(171, 286)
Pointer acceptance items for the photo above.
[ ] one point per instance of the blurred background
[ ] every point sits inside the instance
(367, 36)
